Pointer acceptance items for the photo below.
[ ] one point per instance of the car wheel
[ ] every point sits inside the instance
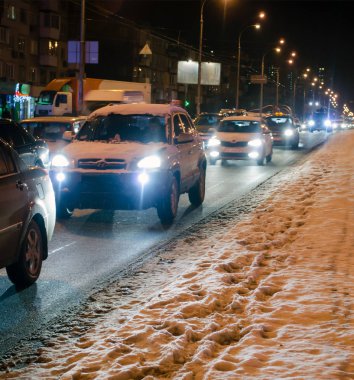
(196, 193)
(28, 267)
(223, 162)
(212, 161)
(295, 144)
(168, 205)
(269, 157)
(63, 211)
(260, 161)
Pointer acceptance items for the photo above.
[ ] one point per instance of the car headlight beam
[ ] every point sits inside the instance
(256, 143)
(213, 142)
(149, 162)
(60, 160)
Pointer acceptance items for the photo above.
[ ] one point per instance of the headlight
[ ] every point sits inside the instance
(255, 143)
(311, 123)
(327, 123)
(303, 127)
(60, 161)
(288, 132)
(149, 162)
(214, 142)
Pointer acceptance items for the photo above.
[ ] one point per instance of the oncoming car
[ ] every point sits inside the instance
(206, 124)
(241, 138)
(129, 157)
(285, 129)
(57, 131)
(27, 217)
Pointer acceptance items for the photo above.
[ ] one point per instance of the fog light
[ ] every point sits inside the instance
(253, 155)
(214, 154)
(60, 177)
(143, 178)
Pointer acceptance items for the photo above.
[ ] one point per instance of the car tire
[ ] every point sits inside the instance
(295, 145)
(168, 205)
(28, 267)
(260, 161)
(223, 162)
(63, 211)
(269, 157)
(196, 193)
(212, 161)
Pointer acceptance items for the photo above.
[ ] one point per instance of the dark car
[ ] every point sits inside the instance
(32, 151)
(27, 216)
(285, 129)
(53, 129)
(207, 124)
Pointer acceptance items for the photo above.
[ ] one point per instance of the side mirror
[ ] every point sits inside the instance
(68, 135)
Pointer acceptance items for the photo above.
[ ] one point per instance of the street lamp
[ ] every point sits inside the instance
(277, 50)
(256, 26)
(261, 16)
(200, 55)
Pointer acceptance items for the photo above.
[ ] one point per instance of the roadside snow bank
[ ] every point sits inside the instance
(269, 298)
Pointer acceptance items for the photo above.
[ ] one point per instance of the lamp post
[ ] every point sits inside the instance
(200, 56)
(278, 50)
(257, 26)
(82, 59)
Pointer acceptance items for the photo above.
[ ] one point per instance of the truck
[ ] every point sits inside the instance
(61, 96)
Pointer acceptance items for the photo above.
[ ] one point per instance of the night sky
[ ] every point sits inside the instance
(321, 32)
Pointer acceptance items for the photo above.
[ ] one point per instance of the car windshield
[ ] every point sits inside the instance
(240, 126)
(279, 122)
(119, 128)
(51, 131)
(204, 122)
(46, 97)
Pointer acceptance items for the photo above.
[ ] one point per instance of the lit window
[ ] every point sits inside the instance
(11, 12)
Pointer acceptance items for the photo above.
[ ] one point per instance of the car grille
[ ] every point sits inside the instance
(99, 164)
(230, 144)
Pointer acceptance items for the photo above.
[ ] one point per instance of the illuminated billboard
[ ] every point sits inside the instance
(188, 73)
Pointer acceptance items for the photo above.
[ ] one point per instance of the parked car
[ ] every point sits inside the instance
(54, 129)
(285, 129)
(131, 156)
(27, 217)
(241, 138)
(206, 124)
(32, 151)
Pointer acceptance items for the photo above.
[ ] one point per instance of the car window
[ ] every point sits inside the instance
(178, 127)
(240, 126)
(187, 124)
(27, 138)
(7, 166)
(122, 128)
(279, 121)
(11, 135)
(47, 130)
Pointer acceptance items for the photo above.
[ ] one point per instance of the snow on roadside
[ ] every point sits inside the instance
(269, 298)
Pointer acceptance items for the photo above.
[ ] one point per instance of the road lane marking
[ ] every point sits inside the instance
(61, 248)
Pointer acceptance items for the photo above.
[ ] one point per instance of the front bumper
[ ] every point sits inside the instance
(236, 153)
(113, 190)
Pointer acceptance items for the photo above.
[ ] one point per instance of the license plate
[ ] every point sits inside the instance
(233, 150)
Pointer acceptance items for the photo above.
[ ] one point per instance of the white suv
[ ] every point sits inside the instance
(131, 156)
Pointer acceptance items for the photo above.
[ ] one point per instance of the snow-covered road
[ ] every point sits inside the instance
(267, 297)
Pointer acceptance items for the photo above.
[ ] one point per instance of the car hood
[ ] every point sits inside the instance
(101, 150)
(234, 136)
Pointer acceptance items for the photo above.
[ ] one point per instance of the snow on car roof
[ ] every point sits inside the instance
(137, 109)
(244, 118)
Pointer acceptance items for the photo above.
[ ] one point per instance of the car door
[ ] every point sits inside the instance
(13, 206)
